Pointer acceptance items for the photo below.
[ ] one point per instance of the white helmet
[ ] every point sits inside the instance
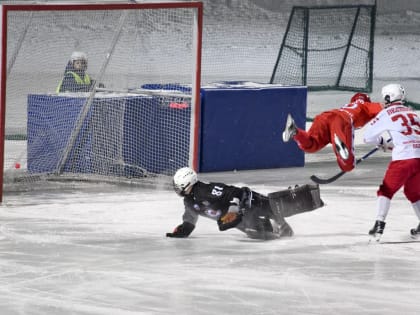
(183, 179)
(78, 55)
(393, 93)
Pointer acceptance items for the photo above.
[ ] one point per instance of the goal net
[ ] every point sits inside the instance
(131, 115)
(328, 47)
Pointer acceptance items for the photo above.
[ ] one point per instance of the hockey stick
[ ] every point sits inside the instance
(318, 180)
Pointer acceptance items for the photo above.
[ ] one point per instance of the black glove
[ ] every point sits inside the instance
(229, 220)
(182, 230)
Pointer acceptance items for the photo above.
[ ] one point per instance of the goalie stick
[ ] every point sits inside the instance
(321, 181)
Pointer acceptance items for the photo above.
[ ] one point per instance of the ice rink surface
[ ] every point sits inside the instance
(103, 251)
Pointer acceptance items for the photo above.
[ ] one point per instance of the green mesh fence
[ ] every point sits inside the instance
(328, 48)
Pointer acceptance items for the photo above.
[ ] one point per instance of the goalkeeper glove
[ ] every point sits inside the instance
(182, 230)
(229, 220)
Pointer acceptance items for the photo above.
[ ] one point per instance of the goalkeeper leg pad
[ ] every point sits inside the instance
(268, 229)
(292, 201)
(285, 230)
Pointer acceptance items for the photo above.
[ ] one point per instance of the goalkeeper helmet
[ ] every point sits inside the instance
(360, 96)
(393, 93)
(184, 178)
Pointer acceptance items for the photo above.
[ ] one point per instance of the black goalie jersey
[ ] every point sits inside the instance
(210, 200)
(213, 201)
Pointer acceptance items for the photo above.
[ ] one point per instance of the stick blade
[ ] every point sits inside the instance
(318, 180)
(323, 181)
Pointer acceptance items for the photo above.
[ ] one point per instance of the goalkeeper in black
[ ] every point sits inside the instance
(229, 206)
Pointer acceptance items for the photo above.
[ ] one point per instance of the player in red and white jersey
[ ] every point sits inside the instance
(336, 127)
(403, 126)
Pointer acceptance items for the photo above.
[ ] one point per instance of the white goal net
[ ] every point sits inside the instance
(99, 90)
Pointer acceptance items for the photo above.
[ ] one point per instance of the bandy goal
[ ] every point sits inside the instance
(133, 112)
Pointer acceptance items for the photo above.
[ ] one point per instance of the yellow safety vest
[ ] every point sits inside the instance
(77, 78)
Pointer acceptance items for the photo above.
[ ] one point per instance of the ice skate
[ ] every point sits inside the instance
(290, 130)
(285, 230)
(341, 148)
(415, 233)
(377, 230)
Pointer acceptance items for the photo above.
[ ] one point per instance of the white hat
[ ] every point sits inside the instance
(78, 55)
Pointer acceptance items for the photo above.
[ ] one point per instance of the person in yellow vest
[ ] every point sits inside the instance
(76, 78)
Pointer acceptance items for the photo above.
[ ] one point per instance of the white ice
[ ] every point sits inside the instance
(103, 250)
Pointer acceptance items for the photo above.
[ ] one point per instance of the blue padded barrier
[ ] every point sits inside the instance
(241, 126)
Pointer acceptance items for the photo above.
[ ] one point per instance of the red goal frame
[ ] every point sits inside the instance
(195, 111)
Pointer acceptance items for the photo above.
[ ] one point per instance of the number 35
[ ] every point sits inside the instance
(408, 121)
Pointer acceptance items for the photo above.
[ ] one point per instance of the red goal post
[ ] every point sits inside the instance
(140, 118)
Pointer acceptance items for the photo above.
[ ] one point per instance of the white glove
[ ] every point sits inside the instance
(385, 145)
